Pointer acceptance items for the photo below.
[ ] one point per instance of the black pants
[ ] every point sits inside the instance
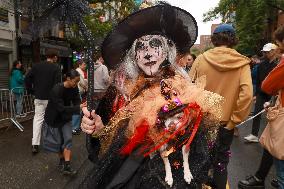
(256, 121)
(223, 144)
(265, 165)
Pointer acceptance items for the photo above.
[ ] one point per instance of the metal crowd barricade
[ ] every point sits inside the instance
(5, 105)
(8, 107)
(27, 100)
(27, 105)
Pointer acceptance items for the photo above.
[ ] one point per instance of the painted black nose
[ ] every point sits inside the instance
(147, 57)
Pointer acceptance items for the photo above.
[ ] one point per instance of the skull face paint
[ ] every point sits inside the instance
(150, 53)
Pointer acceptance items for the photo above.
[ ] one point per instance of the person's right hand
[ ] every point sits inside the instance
(91, 122)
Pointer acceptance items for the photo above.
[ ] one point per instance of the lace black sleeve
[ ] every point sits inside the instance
(105, 111)
(105, 104)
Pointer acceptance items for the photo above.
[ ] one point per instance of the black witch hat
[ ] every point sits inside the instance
(172, 22)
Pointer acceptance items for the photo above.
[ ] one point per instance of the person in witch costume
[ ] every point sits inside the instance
(154, 128)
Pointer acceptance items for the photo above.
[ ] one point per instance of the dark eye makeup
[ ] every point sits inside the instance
(139, 46)
(155, 43)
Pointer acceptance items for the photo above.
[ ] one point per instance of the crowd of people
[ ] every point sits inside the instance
(159, 106)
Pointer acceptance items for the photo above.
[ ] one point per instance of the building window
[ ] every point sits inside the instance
(4, 18)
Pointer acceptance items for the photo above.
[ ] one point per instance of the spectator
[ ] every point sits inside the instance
(184, 62)
(228, 74)
(64, 101)
(83, 83)
(42, 77)
(181, 62)
(101, 79)
(269, 62)
(189, 58)
(272, 84)
(82, 86)
(254, 66)
(269, 84)
(17, 86)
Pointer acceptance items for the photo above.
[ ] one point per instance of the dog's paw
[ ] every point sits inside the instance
(169, 180)
(188, 176)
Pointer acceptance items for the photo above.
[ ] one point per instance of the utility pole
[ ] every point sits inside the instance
(16, 13)
(35, 38)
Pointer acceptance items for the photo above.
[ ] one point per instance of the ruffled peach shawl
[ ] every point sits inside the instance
(147, 105)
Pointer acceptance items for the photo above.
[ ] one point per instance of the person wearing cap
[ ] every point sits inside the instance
(147, 94)
(270, 85)
(42, 77)
(269, 62)
(228, 74)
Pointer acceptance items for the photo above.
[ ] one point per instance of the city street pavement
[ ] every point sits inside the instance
(20, 169)
(246, 157)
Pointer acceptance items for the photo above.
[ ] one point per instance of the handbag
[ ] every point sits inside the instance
(272, 138)
(52, 139)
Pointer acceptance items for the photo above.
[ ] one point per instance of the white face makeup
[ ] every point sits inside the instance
(173, 123)
(150, 54)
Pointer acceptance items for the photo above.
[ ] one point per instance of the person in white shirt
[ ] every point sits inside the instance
(83, 83)
(83, 87)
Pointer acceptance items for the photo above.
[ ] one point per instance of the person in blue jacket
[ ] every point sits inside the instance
(17, 85)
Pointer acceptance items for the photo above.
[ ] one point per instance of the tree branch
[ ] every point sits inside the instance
(275, 6)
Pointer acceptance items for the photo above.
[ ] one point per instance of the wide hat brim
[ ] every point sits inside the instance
(169, 21)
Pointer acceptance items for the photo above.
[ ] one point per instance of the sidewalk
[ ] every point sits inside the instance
(20, 169)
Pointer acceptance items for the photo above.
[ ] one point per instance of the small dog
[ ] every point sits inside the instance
(171, 124)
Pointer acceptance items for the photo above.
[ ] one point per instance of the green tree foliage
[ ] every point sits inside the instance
(99, 29)
(195, 51)
(253, 20)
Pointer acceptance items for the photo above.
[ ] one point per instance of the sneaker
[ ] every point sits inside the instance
(18, 116)
(251, 138)
(274, 183)
(23, 115)
(35, 149)
(67, 170)
(251, 182)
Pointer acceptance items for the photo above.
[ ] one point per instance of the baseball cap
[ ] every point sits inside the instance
(268, 47)
(224, 28)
